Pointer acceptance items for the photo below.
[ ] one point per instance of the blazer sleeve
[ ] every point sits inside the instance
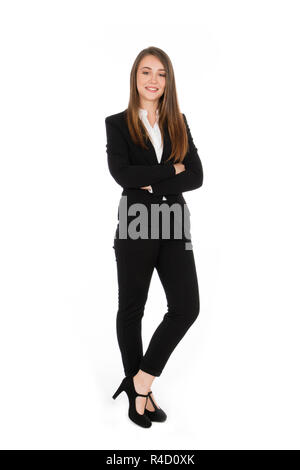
(125, 174)
(189, 179)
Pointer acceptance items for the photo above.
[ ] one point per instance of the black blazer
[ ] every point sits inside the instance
(132, 166)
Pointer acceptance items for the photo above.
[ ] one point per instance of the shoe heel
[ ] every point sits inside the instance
(117, 393)
(127, 385)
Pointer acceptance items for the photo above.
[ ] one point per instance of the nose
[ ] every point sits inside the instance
(153, 79)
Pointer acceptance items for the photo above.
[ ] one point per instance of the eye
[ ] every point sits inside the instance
(146, 73)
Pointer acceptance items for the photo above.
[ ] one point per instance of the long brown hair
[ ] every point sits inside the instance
(168, 108)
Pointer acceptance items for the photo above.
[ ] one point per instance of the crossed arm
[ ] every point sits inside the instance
(162, 178)
(125, 174)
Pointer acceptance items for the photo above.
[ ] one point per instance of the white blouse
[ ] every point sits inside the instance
(154, 132)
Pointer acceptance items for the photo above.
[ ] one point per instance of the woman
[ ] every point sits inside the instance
(151, 154)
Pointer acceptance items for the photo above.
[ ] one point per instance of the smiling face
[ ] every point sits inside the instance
(151, 80)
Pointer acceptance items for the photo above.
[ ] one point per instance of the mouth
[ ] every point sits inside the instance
(152, 89)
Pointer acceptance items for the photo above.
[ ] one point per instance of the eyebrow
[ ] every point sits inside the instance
(150, 68)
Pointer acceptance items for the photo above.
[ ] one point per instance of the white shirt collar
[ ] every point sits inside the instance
(144, 113)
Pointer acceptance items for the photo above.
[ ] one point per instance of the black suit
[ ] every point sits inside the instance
(133, 167)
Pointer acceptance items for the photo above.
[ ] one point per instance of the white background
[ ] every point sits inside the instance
(233, 381)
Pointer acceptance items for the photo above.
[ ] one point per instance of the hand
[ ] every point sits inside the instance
(179, 167)
(146, 187)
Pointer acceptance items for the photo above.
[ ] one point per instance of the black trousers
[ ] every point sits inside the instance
(136, 260)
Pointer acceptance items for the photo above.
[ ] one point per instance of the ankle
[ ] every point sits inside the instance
(142, 382)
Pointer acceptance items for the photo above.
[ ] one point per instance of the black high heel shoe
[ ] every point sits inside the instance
(127, 385)
(158, 414)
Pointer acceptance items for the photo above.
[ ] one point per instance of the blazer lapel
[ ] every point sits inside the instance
(167, 145)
